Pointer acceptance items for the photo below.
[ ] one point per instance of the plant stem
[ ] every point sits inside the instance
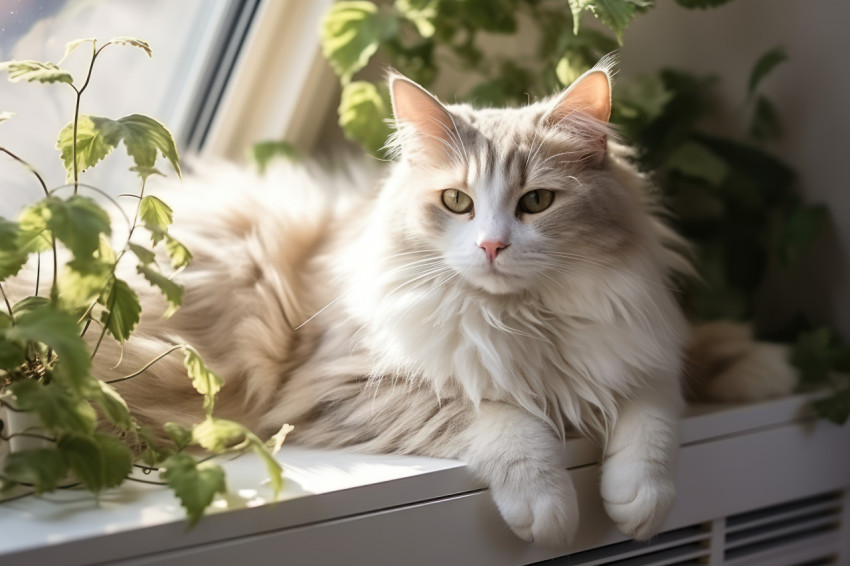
(8, 306)
(110, 306)
(28, 166)
(79, 91)
(147, 365)
(37, 272)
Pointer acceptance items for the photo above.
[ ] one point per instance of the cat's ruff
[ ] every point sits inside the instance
(377, 319)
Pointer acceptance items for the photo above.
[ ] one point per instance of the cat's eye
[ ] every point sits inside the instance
(457, 201)
(536, 201)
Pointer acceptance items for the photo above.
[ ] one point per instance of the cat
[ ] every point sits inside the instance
(507, 280)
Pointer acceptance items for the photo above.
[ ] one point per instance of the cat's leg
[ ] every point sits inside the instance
(638, 472)
(519, 457)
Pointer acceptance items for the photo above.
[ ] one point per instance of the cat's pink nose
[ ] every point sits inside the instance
(492, 248)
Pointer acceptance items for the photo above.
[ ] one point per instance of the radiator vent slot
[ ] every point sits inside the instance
(680, 547)
(786, 525)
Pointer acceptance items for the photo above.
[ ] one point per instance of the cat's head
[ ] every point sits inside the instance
(514, 198)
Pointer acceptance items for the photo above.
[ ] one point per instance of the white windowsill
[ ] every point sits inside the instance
(321, 486)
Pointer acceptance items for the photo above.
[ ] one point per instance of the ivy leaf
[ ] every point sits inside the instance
(181, 435)
(765, 64)
(82, 282)
(800, 230)
(156, 216)
(616, 14)
(205, 382)
(835, 408)
(178, 253)
(35, 71)
(195, 484)
(218, 435)
(696, 160)
(421, 13)
(145, 255)
(143, 137)
(58, 410)
(71, 45)
(569, 68)
(154, 453)
(34, 235)
(114, 406)
(124, 310)
(28, 304)
(132, 41)
(351, 33)
(99, 461)
(59, 331)
(146, 171)
(12, 257)
(172, 291)
(643, 97)
(765, 124)
(92, 145)
(12, 354)
(264, 152)
(362, 115)
(42, 468)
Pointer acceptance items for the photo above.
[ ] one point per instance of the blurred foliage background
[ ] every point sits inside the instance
(733, 199)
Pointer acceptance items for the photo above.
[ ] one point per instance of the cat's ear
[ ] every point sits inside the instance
(584, 109)
(419, 115)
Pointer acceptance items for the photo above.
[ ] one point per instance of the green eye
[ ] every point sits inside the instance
(536, 201)
(457, 201)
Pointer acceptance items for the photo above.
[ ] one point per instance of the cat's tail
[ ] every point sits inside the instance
(725, 363)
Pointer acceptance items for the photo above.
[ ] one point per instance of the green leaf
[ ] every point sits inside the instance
(132, 41)
(156, 216)
(218, 435)
(696, 160)
(80, 283)
(835, 408)
(12, 257)
(71, 45)
(92, 145)
(28, 304)
(362, 115)
(195, 484)
(178, 253)
(42, 468)
(421, 13)
(173, 292)
(35, 71)
(181, 435)
(264, 152)
(143, 137)
(765, 125)
(145, 255)
(99, 461)
(764, 66)
(569, 68)
(58, 410)
(12, 353)
(114, 406)
(146, 171)
(644, 97)
(124, 310)
(205, 382)
(59, 331)
(154, 453)
(616, 14)
(351, 33)
(34, 235)
(800, 230)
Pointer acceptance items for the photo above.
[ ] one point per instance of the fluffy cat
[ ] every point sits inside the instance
(509, 281)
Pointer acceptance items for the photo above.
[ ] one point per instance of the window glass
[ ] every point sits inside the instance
(183, 34)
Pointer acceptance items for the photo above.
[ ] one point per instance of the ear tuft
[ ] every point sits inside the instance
(590, 95)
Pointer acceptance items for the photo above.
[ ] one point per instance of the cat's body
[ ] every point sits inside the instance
(407, 319)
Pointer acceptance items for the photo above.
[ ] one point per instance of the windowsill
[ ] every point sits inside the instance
(321, 485)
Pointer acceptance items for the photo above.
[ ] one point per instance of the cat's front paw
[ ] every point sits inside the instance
(637, 497)
(543, 510)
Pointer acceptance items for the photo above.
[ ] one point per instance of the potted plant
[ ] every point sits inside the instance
(48, 339)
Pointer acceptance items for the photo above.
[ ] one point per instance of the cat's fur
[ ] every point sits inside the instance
(376, 319)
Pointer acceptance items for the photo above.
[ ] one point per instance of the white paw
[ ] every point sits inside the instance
(637, 497)
(543, 510)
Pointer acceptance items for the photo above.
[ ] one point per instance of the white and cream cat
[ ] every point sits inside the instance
(509, 280)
